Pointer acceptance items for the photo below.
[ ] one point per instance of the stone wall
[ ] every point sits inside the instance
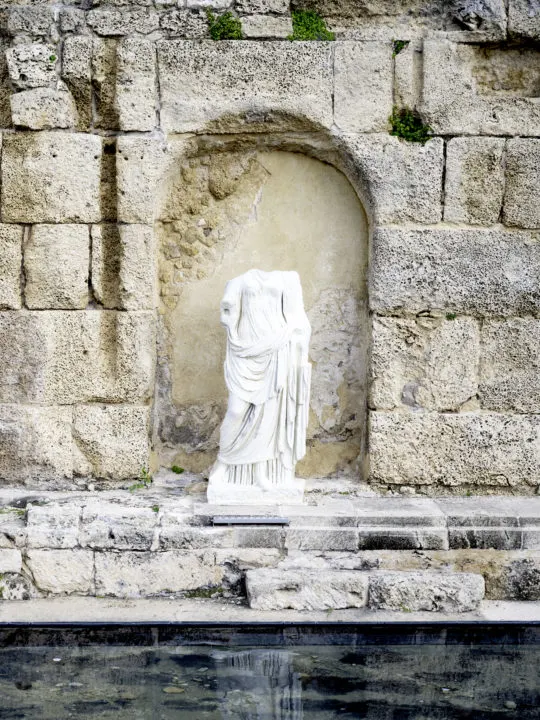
(117, 119)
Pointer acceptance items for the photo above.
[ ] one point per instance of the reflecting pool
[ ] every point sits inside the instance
(399, 672)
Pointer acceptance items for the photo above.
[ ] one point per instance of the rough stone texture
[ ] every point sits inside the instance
(110, 442)
(185, 23)
(62, 571)
(428, 363)
(53, 526)
(10, 561)
(56, 267)
(524, 18)
(208, 84)
(467, 449)
(301, 589)
(266, 26)
(136, 84)
(77, 54)
(51, 177)
(485, 538)
(436, 592)
(363, 86)
(122, 21)
(478, 272)
(113, 526)
(32, 66)
(404, 179)
(34, 21)
(254, 7)
(43, 108)
(175, 534)
(474, 180)
(455, 100)
(10, 266)
(138, 268)
(409, 538)
(134, 574)
(16, 587)
(306, 538)
(510, 365)
(522, 196)
(35, 444)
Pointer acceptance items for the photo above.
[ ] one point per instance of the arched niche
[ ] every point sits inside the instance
(223, 212)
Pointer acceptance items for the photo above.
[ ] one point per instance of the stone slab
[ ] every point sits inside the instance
(488, 511)
(494, 538)
(522, 192)
(399, 512)
(10, 266)
(43, 108)
(31, 65)
(409, 538)
(62, 571)
(10, 561)
(266, 26)
(247, 86)
(107, 526)
(136, 84)
(321, 538)
(470, 271)
(53, 526)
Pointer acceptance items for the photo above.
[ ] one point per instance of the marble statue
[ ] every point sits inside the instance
(267, 373)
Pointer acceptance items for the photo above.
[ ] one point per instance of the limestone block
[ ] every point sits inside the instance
(266, 26)
(185, 23)
(302, 589)
(12, 528)
(10, 266)
(104, 71)
(122, 21)
(321, 538)
(139, 574)
(105, 270)
(56, 261)
(107, 525)
(510, 365)
(259, 537)
(521, 579)
(385, 538)
(34, 21)
(51, 177)
(522, 195)
(403, 179)
(53, 526)
(35, 444)
(207, 84)
(62, 571)
(470, 449)
(77, 54)
(474, 180)
(427, 363)
(110, 442)
(215, 4)
(255, 7)
(136, 84)
(363, 86)
(10, 561)
(138, 268)
(140, 165)
(432, 591)
(524, 19)
(503, 538)
(16, 587)
(32, 66)
(72, 21)
(456, 101)
(470, 271)
(42, 108)
(177, 535)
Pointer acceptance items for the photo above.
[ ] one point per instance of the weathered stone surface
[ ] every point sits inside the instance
(403, 180)
(43, 108)
(12, 528)
(455, 449)
(56, 267)
(62, 571)
(53, 526)
(138, 269)
(410, 538)
(266, 26)
(140, 165)
(51, 177)
(175, 534)
(108, 525)
(482, 512)
(10, 561)
(522, 195)
(504, 538)
(479, 272)
(254, 7)
(110, 442)
(363, 86)
(35, 444)
(521, 579)
(136, 84)
(34, 21)
(398, 512)
(104, 63)
(258, 537)
(113, 21)
(510, 365)
(481, 15)
(32, 66)
(321, 538)
(10, 267)
(524, 18)
(407, 75)
(301, 589)
(436, 592)
(16, 587)
(457, 101)
(106, 258)
(72, 21)
(136, 574)
(474, 180)
(185, 23)
(77, 72)
(428, 363)
(209, 84)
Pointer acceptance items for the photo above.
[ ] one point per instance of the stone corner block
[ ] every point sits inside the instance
(51, 177)
(10, 266)
(56, 259)
(522, 195)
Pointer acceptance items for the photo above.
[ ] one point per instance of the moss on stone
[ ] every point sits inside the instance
(399, 45)
(309, 25)
(207, 592)
(224, 27)
(408, 125)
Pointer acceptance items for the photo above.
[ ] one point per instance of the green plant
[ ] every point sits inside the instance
(450, 316)
(178, 470)
(408, 125)
(309, 25)
(155, 508)
(145, 480)
(224, 27)
(204, 592)
(399, 45)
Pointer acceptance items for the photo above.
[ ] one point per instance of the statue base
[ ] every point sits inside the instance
(231, 494)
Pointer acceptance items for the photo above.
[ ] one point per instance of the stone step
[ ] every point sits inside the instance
(309, 589)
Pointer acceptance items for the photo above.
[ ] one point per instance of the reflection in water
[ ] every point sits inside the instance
(258, 684)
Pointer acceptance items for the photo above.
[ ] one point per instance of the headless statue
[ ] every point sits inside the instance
(268, 376)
